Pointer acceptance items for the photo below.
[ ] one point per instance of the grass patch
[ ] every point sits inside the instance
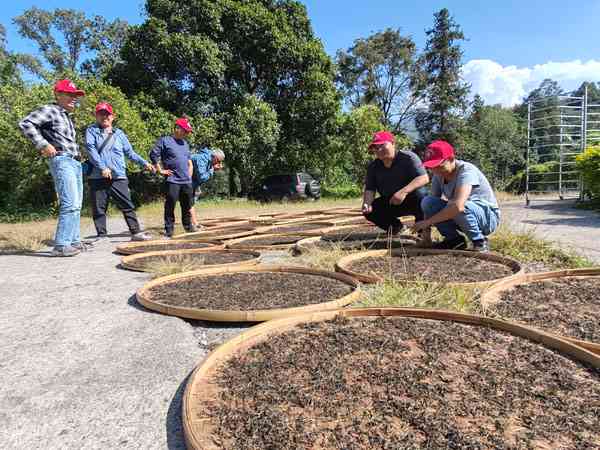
(29, 236)
(527, 248)
(420, 294)
(173, 264)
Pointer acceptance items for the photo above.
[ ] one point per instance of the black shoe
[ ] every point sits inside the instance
(481, 246)
(458, 243)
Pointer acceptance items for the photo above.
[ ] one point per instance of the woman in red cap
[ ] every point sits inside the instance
(171, 157)
(462, 202)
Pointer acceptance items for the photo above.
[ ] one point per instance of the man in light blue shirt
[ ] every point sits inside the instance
(204, 162)
(107, 148)
(461, 200)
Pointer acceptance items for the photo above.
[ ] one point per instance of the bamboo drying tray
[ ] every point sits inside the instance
(196, 425)
(217, 233)
(130, 248)
(494, 293)
(245, 243)
(324, 227)
(343, 265)
(143, 296)
(135, 262)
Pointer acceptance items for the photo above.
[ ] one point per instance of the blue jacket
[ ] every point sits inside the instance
(203, 167)
(110, 158)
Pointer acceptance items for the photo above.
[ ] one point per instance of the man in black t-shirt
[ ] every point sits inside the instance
(398, 176)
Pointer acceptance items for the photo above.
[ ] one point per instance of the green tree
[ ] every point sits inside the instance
(64, 36)
(9, 72)
(445, 92)
(24, 178)
(494, 140)
(204, 58)
(383, 70)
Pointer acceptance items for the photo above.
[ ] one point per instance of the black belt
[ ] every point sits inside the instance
(70, 155)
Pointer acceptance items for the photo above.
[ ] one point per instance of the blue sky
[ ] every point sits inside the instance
(512, 45)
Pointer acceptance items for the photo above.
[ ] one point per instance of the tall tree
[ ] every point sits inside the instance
(383, 70)
(446, 93)
(8, 67)
(64, 37)
(205, 57)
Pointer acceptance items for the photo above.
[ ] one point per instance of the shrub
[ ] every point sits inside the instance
(588, 163)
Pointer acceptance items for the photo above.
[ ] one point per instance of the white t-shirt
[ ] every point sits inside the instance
(468, 174)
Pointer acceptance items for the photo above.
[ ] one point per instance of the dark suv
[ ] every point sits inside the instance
(293, 186)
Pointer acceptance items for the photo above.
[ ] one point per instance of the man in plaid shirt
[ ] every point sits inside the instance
(51, 130)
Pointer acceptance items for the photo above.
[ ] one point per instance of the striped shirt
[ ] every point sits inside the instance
(51, 124)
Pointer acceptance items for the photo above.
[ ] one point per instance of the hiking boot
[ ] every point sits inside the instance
(458, 243)
(481, 245)
(141, 236)
(65, 251)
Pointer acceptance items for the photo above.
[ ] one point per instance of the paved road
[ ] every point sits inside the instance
(558, 221)
(83, 365)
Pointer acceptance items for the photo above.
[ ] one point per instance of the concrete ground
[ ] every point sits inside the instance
(86, 367)
(558, 221)
(83, 365)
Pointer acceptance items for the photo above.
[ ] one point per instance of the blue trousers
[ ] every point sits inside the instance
(68, 182)
(478, 219)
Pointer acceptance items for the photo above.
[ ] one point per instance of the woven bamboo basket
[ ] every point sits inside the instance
(310, 243)
(144, 297)
(494, 293)
(196, 423)
(280, 228)
(136, 262)
(131, 248)
(245, 243)
(343, 265)
(218, 233)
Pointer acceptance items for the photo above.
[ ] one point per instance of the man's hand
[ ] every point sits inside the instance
(421, 225)
(166, 172)
(366, 208)
(48, 151)
(150, 167)
(106, 173)
(398, 198)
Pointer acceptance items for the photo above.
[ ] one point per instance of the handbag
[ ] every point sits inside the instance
(87, 167)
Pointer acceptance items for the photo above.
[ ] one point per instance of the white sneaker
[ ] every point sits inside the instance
(141, 236)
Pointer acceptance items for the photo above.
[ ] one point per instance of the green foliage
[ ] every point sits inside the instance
(252, 131)
(80, 34)
(382, 70)
(445, 92)
(588, 163)
(208, 58)
(494, 140)
(24, 178)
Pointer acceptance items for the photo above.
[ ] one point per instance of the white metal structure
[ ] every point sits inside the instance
(559, 128)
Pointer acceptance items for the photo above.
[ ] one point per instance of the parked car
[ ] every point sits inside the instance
(295, 186)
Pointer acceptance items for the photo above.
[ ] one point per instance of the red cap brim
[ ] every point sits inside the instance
(432, 163)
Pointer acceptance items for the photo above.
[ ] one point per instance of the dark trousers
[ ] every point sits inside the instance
(101, 190)
(183, 193)
(385, 215)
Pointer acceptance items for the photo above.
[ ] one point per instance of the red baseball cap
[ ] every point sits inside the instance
(68, 87)
(103, 106)
(184, 123)
(436, 153)
(381, 137)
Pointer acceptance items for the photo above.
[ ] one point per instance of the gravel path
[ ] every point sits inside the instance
(83, 365)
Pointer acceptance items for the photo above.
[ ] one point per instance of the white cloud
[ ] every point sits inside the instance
(508, 85)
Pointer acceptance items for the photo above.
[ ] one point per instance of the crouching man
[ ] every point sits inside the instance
(398, 176)
(461, 201)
